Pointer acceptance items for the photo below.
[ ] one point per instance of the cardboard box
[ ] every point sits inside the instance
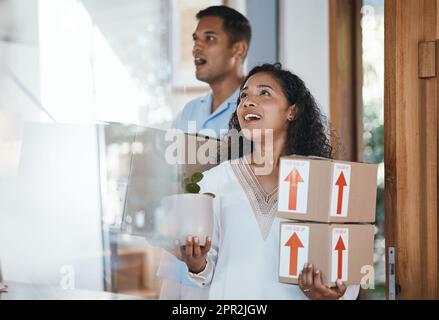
(324, 190)
(339, 251)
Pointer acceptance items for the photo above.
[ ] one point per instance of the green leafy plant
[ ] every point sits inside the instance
(191, 185)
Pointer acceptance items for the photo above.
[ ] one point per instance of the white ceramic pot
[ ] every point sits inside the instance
(188, 215)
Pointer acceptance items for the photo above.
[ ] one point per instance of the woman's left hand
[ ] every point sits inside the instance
(310, 282)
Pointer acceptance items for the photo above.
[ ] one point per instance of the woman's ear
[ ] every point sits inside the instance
(291, 112)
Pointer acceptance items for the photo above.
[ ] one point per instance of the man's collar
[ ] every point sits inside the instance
(207, 97)
(230, 102)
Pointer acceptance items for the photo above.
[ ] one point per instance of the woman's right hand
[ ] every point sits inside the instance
(195, 255)
(311, 283)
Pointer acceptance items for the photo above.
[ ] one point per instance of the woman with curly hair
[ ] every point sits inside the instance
(278, 115)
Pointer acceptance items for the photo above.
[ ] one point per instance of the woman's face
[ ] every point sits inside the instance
(263, 105)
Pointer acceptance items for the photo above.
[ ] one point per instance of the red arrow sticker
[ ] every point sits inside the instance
(294, 239)
(341, 183)
(294, 179)
(293, 186)
(340, 245)
(294, 243)
(340, 190)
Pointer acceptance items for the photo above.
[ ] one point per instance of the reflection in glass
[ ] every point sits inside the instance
(373, 135)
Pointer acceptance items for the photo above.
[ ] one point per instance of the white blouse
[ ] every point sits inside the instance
(243, 261)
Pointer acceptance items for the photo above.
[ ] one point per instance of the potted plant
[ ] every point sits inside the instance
(188, 213)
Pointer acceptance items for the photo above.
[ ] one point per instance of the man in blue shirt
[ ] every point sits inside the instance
(221, 42)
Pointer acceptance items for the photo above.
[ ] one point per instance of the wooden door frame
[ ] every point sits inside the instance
(411, 144)
(346, 78)
(410, 129)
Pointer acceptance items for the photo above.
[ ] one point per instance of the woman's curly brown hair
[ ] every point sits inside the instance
(307, 133)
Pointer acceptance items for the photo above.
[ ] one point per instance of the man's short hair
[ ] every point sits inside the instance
(235, 24)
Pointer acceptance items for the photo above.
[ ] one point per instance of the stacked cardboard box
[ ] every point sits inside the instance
(331, 205)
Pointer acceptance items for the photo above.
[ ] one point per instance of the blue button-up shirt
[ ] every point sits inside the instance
(196, 116)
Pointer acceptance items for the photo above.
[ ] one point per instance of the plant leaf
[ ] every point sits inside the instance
(193, 188)
(196, 177)
(210, 194)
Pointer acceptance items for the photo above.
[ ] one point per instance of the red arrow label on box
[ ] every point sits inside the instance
(294, 243)
(341, 183)
(294, 179)
(340, 247)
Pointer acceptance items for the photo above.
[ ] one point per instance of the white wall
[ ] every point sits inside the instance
(49, 208)
(19, 56)
(19, 68)
(238, 5)
(49, 212)
(304, 44)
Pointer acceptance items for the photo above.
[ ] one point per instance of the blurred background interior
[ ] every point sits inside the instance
(82, 81)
